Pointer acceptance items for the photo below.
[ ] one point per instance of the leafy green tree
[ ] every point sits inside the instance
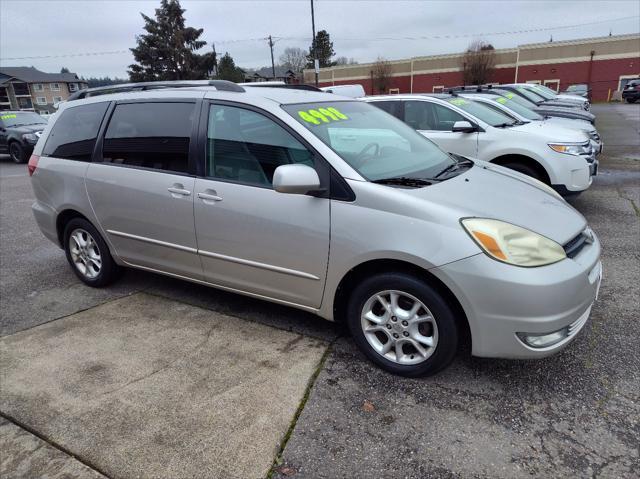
(168, 50)
(227, 69)
(322, 49)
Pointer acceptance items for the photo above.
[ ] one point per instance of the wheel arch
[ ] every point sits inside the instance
(63, 219)
(377, 266)
(524, 160)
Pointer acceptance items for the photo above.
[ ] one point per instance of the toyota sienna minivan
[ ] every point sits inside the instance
(322, 203)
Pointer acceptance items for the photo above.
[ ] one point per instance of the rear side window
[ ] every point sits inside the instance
(73, 135)
(150, 135)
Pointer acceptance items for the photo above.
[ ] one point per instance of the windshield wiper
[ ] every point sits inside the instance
(404, 181)
(458, 163)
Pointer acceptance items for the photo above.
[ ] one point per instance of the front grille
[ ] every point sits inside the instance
(575, 245)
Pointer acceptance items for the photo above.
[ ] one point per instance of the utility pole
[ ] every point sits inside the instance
(214, 68)
(273, 65)
(313, 44)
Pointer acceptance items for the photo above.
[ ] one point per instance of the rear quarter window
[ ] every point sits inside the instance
(74, 134)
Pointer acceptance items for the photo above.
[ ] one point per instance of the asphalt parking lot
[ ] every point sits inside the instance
(155, 377)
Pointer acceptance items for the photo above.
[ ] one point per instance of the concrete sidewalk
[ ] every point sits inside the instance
(148, 387)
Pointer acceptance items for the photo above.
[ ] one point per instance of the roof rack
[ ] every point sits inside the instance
(220, 85)
(290, 86)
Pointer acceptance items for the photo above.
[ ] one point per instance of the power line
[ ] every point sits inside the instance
(431, 37)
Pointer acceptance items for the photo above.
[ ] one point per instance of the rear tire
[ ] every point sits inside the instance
(631, 100)
(88, 254)
(525, 170)
(17, 152)
(402, 324)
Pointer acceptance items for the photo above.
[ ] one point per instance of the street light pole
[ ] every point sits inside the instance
(313, 44)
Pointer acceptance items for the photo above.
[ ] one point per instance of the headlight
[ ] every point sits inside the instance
(512, 244)
(583, 148)
(30, 137)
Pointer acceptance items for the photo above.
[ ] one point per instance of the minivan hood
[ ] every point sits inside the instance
(29, 128)
(491, 191)
(551, 132)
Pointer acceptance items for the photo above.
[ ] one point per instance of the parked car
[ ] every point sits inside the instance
(536, 96)
(552, 95)
(19, 132)
(580, 89)
(526, 115)
(321, 203)
(539, 107)
(631, 91)
(351, 91)
(559, 157)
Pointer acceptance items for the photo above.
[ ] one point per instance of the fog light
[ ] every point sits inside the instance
(543, 340)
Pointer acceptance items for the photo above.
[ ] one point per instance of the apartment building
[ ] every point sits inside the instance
(604, 63)
(26, 88)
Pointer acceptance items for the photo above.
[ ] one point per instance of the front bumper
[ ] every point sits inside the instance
(501, 300)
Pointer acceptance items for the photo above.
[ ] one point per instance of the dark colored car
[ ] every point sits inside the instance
(19, 132)
(631, 91)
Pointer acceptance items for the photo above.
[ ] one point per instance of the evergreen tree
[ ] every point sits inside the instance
(167, 50)
(323, 47)
(65, 70)
(227, 69)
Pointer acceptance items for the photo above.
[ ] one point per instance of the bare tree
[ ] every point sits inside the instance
(478, 63)
(345, 61)
(381, 75)
(294, 59)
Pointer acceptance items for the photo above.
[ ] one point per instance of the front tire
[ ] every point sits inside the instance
(402, 324)
(525, 170)
(88, 254)
(17, 152)
(631, 100)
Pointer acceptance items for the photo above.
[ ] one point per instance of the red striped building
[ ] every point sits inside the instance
(604, 63)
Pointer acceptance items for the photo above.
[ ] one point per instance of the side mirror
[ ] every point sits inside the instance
(295, 179)
(463, 127)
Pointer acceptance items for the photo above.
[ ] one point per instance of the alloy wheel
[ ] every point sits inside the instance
(85, 253)
(399, 327)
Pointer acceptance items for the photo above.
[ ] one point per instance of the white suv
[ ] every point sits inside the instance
(559, 157)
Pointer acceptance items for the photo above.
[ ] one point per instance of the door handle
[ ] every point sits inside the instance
(177, 190)
(209, 198)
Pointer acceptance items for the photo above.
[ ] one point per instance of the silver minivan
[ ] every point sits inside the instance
(321, 203)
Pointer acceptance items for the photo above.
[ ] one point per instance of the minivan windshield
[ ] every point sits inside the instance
(530, 95)
(20, 118)
(516, 98)
(482, 112)
(376, 144)
(538, 89)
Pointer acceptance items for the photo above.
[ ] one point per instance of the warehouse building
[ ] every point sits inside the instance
(604, 63)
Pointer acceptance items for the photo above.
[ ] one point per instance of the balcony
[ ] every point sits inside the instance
(21, 89)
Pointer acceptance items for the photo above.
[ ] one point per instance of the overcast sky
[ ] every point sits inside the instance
(45, 28)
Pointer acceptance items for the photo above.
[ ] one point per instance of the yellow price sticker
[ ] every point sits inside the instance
(501, 100)
(322, 115)
(458, 102)
(6, 117)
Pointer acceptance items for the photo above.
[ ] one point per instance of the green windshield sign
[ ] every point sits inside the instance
(458, 102)
(322, 115)
(501, 100)
(6, 117)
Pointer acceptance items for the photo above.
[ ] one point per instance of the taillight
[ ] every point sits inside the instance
(33, 164)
